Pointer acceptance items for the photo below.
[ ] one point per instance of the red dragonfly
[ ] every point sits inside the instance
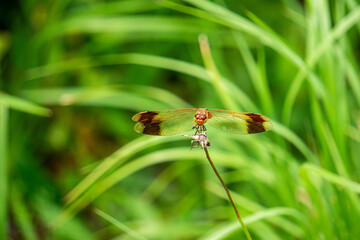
(171, 122)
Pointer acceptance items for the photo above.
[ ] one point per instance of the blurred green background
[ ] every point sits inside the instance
(74, 72)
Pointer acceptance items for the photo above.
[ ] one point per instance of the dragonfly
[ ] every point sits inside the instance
(171, 122)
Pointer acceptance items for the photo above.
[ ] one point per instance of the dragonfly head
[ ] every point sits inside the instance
(200, 119)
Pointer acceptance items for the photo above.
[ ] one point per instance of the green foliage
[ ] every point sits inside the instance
(74, 72)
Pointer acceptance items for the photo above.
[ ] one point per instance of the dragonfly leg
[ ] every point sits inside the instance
(200, 129)
(199, 140)
(197, 128)
(192, 145)
(204, 129)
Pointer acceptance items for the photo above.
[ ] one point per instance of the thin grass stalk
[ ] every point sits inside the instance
(255, 73)
(215, 77)
(4, 115)
(248, 236)
(21, 214)
(314, 55)
(120, 225)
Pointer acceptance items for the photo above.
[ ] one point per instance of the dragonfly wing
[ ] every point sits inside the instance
(239, 122)
(165, 123)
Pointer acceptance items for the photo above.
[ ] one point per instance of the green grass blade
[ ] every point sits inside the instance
(23, 105)
(251, 206)
(255, 72)
(166, 155)
(4, 124)
(287, 134)
(331, 177)
(267, 214)
(117, 158)
(240, 23)
(215, 77)
(119, 225)
(353, 78)
(74, 229)
(126, 25)
(164, 179)
(335, 153)
(117, 59)
(327, 139)
(110, 8)
(136, 97)
(22, 215)
(146, 60)
(337, 32)
(315, 54)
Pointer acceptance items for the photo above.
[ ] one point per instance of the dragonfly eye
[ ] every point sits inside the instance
(200, 116)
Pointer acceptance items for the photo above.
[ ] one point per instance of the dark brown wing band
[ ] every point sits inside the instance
(152, 128)
(255, 123)
(145, 117)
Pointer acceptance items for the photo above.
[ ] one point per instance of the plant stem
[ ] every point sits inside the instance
(229, 195)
